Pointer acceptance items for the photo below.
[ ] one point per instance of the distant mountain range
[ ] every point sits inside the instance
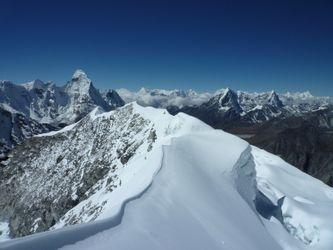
(287, 124)
(151, 178)
(245, 106)
(34, 107)
(296, 126)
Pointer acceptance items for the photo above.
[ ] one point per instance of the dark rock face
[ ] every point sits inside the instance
(113, 99)
(15, 127)
(212, 112)
(228, 108)
(46, 176)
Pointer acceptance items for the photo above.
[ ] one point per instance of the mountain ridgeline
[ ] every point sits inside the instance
(135, 175)
(31, 108)
(296, 126)
(73, 155)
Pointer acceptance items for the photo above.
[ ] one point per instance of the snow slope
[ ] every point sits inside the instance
(195, 189)
(307, 202)
(190, 205)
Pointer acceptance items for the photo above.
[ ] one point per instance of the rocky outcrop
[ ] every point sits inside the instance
(113, 99)
(48, 175)
(15, 127)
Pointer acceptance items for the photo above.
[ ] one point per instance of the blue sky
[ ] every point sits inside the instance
(204, 45)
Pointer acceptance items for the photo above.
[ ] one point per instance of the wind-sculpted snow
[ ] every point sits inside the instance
(192, 203)
(306, 203)
(78, 164)
(144, 179)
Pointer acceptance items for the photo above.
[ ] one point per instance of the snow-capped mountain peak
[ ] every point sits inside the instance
(46, 103)
(79, 73)
(274, 100)
(82, 97)
(80, 83)
(35, 84)
(228, 99)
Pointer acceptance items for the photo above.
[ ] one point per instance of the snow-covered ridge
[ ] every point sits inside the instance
(108, 140)
(306, 202)
(150, 180)
(177, 133)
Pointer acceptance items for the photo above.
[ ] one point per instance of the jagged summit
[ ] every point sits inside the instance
(35, 84)
(79, 83)
(224, 100)
(229, 98)
(112, 98)
(274, 99)
(79, 73)
(46, 103)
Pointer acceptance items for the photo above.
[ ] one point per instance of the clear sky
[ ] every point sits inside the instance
(204, 45)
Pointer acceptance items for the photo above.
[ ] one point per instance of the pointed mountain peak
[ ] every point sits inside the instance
(39, 83)
(273, 93)
(274, 99)
(227, 98)
(113, 99)
(227, 89)
(80, 80)
(80, 83)
(228, 92)
(223, 91)
(79, 73)
(35, 84)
